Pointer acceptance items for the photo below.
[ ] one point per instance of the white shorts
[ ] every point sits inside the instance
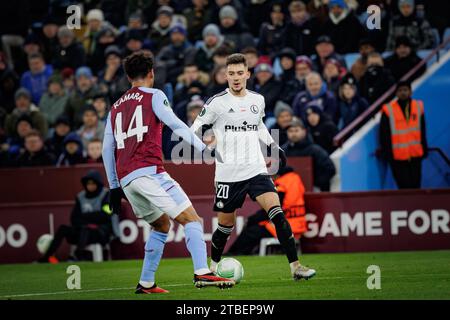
(153, 195)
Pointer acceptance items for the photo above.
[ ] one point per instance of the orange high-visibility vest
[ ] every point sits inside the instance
(293, 205)
(406, 135)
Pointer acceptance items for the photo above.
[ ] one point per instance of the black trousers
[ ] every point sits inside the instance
(79, 236)
(407, 174)
(251, 235)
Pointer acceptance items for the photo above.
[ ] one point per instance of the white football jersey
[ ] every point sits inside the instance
(237, 125)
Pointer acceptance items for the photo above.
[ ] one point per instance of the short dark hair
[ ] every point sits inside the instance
(190, 65)
(34, 133)
(138, 64)
(249, 50)
(236, 58)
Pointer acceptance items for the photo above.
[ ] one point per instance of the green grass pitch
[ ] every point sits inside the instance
(404, 275)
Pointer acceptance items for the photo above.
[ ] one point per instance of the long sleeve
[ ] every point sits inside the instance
(164, 113)
(423, 133)
(109, 147)
(385, 137)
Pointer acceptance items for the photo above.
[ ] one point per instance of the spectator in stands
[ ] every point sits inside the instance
(193, 109)
(36, 153)
(303, 67)
(100, 102)
(272, 34)
(24, 106)
(135, 22)
(403, 60)
(194, 89)
(283, 115)
(300, 145)
(319, 10)
(301, 30)
(377, 79)
(287, 58)
(55, 144)
(14, 145)
(190, 74)
(333, 72)
(316, 93)
(85, 91)
(321, 128)
(403, 137)
(49, 38)
(92, 128)
(31, 46)
(360, 66)
(176, 54)
(73, 151)
(218, 81)
(291, 190)
(197, 16)
(9, 83)
(417, 29)
(35, 80)
(70, 53)
(267, 85)
(68, 79)
(350, 103)
(343, 27)
(112, 79)
(160, 30)
(94, 151)
(232, 30)
(133, 42)
(90, 221)
(99, 34)
(324, 51)
(252, 58)
(212, 39)
(53, 102)
(221, 54)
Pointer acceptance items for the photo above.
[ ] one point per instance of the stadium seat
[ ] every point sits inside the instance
(97, 251)
(424, 53)
(437, 38)
(350, 59)
(446, 36)
(267, 242)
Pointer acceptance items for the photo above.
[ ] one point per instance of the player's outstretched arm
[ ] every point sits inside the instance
(164, 113)
(266, 138)
(109, 147)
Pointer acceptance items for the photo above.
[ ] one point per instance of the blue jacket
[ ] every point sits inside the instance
(325, 100)
(36, 83)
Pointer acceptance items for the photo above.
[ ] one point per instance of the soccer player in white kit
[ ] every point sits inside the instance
(236, 115)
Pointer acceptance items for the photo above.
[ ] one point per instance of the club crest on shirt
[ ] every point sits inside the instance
(254, 108)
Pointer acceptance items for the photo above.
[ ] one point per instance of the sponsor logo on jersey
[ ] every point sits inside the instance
(231, 110)
(254, 108)
(245, 127)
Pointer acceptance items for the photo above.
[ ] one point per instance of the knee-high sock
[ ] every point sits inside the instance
(284, 232)
(154, 248)
(219, 240)
(196, 245)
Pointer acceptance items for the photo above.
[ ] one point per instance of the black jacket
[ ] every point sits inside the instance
(399, 67)
(72, 57)
(302, 37)
(324, 168)
(41, 158)
(324, 133)
(375, 82)
(271, 91)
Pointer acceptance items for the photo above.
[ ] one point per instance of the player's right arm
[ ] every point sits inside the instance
(207, 116)
(164, 112)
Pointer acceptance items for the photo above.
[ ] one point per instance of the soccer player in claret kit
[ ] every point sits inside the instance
(132, 155)
(236, 115)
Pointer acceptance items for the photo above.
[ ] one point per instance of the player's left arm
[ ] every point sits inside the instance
(266, 138)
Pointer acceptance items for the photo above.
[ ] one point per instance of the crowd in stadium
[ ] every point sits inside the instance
(57, 83)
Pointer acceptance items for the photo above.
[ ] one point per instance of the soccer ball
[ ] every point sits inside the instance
(44, 242)
(230, 268)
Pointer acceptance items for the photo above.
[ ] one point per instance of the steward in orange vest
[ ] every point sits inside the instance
(403, 138)
(291, 191)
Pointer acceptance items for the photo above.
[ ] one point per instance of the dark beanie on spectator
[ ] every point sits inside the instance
(402, 40)
(25, 118)
(113, 49)
(287, 52)
(324, 39)
(134, 34)
(62, 119)
(22, 92)
(349, 79)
